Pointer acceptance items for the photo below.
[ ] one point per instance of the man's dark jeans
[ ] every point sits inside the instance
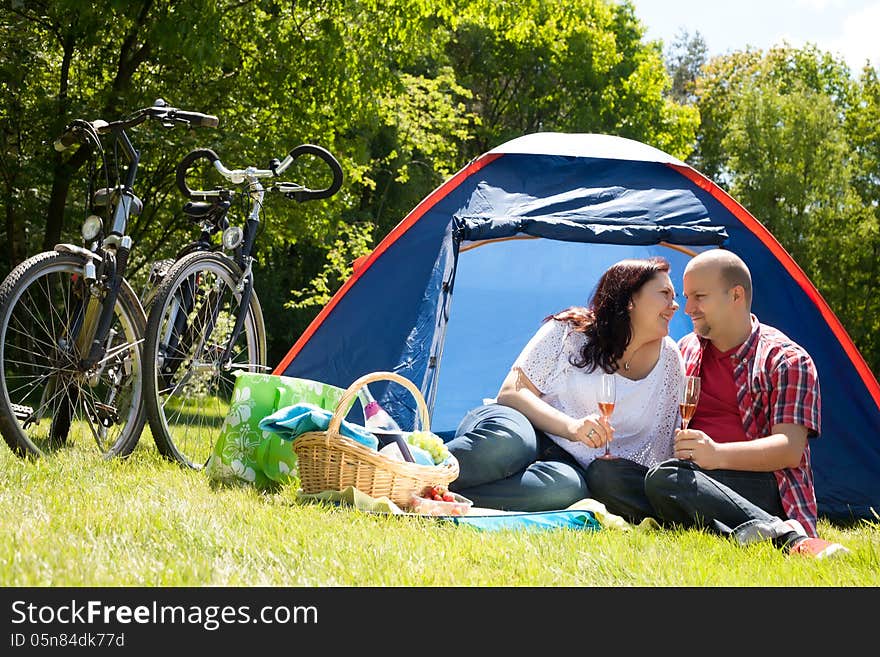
(744, 505)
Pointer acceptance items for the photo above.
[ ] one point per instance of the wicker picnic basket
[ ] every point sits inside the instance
(328, 460)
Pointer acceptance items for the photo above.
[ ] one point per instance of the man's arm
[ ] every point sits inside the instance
(783, 448)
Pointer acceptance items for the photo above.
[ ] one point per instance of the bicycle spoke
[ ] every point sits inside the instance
(35, 366)
(41, 321)
(29, 334)
(97, 416)
(52, 313)
(40, 370)
(115, 351)
(47, 402)
(190, 399)
(32, 386)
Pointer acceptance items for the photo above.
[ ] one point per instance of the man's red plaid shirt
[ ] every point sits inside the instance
(776, 383)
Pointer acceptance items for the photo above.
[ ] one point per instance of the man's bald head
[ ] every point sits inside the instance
(731, 268)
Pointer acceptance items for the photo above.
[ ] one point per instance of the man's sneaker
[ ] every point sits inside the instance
(818, 548)
(796, 527)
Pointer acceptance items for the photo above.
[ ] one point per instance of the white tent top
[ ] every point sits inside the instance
(606, 147)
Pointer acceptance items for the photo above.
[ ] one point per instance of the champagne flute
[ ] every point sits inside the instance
(606, 398)
(690, 393)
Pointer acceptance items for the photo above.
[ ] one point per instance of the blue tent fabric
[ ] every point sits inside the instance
(453, 293)
(589, 205)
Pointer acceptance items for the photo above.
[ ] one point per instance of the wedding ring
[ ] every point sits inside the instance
(591, 432)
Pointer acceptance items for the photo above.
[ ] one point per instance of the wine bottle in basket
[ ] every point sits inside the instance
(375, 417)
(382, 425)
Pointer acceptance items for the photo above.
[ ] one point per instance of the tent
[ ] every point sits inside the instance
(525, 230)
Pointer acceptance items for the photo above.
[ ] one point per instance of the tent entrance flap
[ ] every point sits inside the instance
(592, 201)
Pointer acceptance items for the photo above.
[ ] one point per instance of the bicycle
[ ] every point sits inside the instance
(205, 322)
(71, 326)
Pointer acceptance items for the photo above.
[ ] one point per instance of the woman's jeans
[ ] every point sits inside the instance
(743, 505)
(504, 463)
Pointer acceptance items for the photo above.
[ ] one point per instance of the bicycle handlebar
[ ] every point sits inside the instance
(73, 133)
(293, 191)
(160, 110)
(195, 119)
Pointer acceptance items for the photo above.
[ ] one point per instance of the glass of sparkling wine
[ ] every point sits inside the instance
(690, 393)
(606, 399)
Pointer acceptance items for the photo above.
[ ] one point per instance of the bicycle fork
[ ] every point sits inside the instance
(95, 348)
(183, 333)
(247, 283)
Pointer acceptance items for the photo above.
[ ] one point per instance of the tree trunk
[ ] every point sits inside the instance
(60, 171)
(130, 57)
(15, 250)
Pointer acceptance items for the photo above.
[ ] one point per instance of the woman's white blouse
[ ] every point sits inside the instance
(645, 413)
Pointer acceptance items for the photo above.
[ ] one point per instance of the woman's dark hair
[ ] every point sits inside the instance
(606, 321)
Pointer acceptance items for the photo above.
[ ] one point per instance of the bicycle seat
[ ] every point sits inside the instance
(101, 198)
(200, 209)
(197, 209)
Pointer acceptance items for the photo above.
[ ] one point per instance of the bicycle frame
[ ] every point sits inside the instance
(114, 252)
(103, 282)
(246, 285)
(178, 332)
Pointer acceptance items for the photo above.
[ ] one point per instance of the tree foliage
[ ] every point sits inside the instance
(794, 137)
(685, 60)
(404, 93)
(571, 67)
(383, 85)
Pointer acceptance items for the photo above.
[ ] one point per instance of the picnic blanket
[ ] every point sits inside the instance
(586, 514)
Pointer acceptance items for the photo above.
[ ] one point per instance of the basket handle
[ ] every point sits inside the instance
(348, 398)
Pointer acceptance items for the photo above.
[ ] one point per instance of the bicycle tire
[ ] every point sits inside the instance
(187, 390)
(40, 382)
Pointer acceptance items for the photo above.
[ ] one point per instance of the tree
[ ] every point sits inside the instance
(576, 67)
(685, 59)
(793, 137)
(863, 129)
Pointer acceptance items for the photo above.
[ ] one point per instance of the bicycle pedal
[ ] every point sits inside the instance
(22, 412)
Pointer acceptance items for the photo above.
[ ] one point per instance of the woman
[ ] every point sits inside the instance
(530, 451)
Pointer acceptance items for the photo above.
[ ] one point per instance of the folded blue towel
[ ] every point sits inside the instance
(291, 421)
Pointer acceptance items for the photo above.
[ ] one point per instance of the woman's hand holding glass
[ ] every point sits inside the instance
(593, 431)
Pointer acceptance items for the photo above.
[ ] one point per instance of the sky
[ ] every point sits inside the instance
(847, 28)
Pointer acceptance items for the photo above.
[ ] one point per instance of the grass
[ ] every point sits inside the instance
(73, 519)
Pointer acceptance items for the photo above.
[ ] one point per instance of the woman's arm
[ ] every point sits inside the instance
(520, 393)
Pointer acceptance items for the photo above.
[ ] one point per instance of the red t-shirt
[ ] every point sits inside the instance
(717, 408)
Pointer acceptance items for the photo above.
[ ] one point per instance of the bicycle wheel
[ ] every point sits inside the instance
(48, 399)
(188, 389)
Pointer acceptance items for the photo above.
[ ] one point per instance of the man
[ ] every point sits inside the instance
(742, 468)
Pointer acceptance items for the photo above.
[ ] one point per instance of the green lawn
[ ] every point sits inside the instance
(76, 520)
